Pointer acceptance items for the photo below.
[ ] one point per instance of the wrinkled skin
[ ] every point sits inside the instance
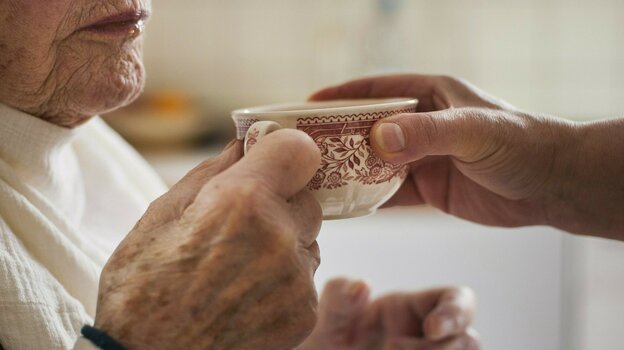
(225, 259)
(436, 319)
(53, 70)
(479, 158)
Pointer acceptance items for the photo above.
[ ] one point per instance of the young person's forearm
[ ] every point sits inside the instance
(590, 196)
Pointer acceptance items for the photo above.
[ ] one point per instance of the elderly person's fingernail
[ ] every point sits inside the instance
(450, 326)
(390, 137)
(447, 326)
(356, 291)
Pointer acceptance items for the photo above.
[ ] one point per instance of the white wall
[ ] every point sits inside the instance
(556, 56)
(593, 314)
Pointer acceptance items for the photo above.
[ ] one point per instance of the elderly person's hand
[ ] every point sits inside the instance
(436, 319)
(481, 159)
(225, 259)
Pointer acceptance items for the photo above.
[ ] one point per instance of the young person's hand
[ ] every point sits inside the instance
(481, 159)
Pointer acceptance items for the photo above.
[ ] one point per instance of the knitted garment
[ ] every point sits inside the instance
(67, 198)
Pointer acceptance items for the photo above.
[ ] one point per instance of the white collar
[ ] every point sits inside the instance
(29, 142)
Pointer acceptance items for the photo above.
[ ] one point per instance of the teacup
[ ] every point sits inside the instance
(351, 181)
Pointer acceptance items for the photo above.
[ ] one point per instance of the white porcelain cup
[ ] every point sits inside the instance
(351, 181)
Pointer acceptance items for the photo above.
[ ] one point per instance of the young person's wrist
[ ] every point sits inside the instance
(587, 191)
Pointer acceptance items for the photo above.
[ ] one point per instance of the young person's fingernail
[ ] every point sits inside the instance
(390, 137)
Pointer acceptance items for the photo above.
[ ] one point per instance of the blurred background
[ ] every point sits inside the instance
(538, 288)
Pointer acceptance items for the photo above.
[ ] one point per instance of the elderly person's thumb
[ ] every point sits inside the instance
(183, 193)
(467, 134)
(341, 303)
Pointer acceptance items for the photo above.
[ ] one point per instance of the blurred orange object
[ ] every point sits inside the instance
(159, 118)
(171, 102)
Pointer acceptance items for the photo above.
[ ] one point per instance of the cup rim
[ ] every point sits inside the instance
(347, 106)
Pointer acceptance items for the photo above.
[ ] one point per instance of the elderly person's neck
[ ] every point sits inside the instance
(65, 121)
(65, 63)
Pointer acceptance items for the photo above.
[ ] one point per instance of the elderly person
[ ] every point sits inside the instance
(223, 260)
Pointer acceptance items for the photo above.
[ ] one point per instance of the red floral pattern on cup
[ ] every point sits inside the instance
(344, 142)
(242, 126)
(346, 154)
(252, 138)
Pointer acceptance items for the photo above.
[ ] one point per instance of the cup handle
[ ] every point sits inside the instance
(258, 130)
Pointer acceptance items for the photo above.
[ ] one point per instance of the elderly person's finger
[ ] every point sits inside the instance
(195, 179)
(283, 161)
(173, 203)
(430, 319)
(341, 303)
(452, 315)
(202, 173)
(464, 133)
(341, 307)
(306, 211)
(468, 340)
(306, 214)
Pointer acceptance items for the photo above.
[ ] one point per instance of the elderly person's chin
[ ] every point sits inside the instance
(66, 61)
(111, 84)
(93, 89)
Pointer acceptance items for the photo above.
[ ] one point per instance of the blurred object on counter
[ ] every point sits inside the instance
(163, 118)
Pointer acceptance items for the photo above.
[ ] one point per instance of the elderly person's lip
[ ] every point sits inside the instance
(124, 23)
